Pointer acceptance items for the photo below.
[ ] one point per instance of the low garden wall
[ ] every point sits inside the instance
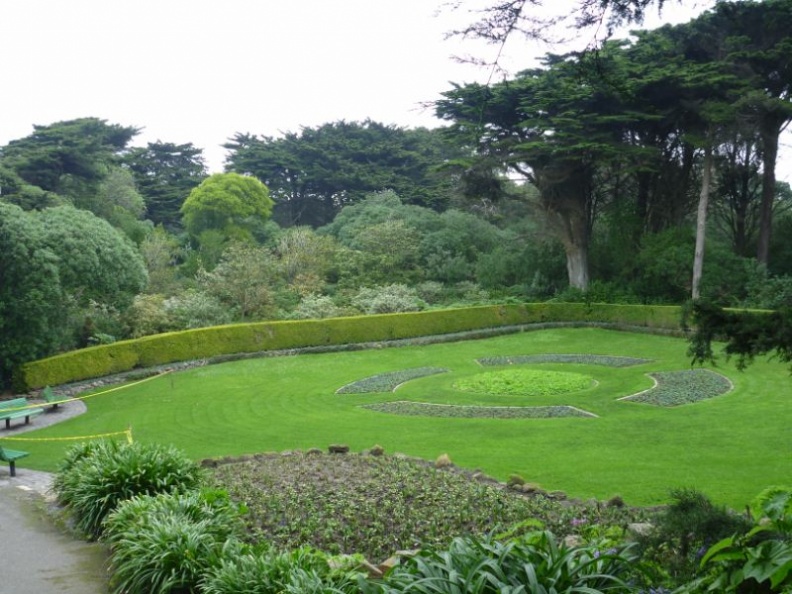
(257, 337)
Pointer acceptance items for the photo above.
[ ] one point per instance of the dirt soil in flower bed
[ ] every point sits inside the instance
(375, 505)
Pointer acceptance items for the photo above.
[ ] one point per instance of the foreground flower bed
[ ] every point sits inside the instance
(376, 505)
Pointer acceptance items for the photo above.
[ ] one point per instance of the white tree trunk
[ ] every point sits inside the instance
(701, 222)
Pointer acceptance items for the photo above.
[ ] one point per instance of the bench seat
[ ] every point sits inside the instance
(11, 456)
(9, 409)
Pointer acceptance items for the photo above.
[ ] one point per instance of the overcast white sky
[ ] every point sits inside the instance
(201, 70)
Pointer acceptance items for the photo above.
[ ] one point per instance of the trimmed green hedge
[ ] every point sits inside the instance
(203, 343)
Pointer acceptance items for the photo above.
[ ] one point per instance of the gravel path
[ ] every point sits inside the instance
(38, 556)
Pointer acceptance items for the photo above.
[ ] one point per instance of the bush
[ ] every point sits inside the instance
(195, 309)
(269, 336)
(315, 307)
(684, 531)
(303, 570)
(532, 563)
(166, 542)
(388, 299)
(95, 479)
(759, 561)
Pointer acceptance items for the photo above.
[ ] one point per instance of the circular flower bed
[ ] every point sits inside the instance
(524, 382)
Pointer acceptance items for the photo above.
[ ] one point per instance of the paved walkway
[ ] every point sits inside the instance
(38, 556)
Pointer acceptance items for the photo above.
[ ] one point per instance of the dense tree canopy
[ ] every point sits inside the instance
(68, 158)
(165, 173)
(52, 264)
(313, 174)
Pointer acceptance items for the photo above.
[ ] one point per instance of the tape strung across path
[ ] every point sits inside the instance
(127, 433)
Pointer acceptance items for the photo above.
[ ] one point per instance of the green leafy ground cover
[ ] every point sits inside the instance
(524, 382)
(728, 446)
(378, 505)
(387, 382)
(422, 409)
(683, 387)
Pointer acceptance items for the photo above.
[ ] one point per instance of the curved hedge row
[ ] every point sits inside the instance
(202, 343)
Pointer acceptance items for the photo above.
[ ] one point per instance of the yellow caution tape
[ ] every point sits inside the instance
(40, 404)
(127, 433)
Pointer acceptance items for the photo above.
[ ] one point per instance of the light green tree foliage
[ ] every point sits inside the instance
(305, 258)
(120, 204)
(232, 204)
(195, 309)
(390, 252)
(243, 281)
(95, 261)
(387, 299)
(160, 251)
(30, 292)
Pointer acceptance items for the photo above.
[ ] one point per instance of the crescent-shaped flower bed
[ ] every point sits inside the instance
(388, 382)
(606, 360)
(425, 409)
(673, 388)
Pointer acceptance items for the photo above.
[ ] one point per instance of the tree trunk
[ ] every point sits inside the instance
(577, 266)
(769, 155)
(701, 222)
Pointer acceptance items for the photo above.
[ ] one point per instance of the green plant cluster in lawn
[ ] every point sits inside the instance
(388, 382)
(524, 382)
(606, 360)
(425, 409)
(683, 387)
(376, 505)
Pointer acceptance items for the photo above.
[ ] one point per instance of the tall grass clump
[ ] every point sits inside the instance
(303, 570)
(535, 563)
(167, 542)
(95, 478)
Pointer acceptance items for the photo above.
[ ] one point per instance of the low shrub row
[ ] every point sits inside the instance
(205, 343)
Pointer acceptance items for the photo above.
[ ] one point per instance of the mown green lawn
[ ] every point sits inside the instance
(730, 446)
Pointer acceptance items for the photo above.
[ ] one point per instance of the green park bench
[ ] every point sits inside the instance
(11, 456)
(10, 409)
(51, 398)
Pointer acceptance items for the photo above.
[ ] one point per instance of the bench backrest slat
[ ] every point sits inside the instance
(15, 403)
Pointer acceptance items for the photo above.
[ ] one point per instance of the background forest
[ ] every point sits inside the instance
(596, 176)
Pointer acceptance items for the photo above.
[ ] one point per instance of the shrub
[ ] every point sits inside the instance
(95, 479)
(302, 570)
(315, 307)
(759, 561)
(387, 299)
(167, 542)
(685, 529)
(195, 309)
(534, 563)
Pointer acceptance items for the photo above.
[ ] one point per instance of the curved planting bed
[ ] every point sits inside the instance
(673, 388)
(425, 409)
(388, 382)
(606, 360)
